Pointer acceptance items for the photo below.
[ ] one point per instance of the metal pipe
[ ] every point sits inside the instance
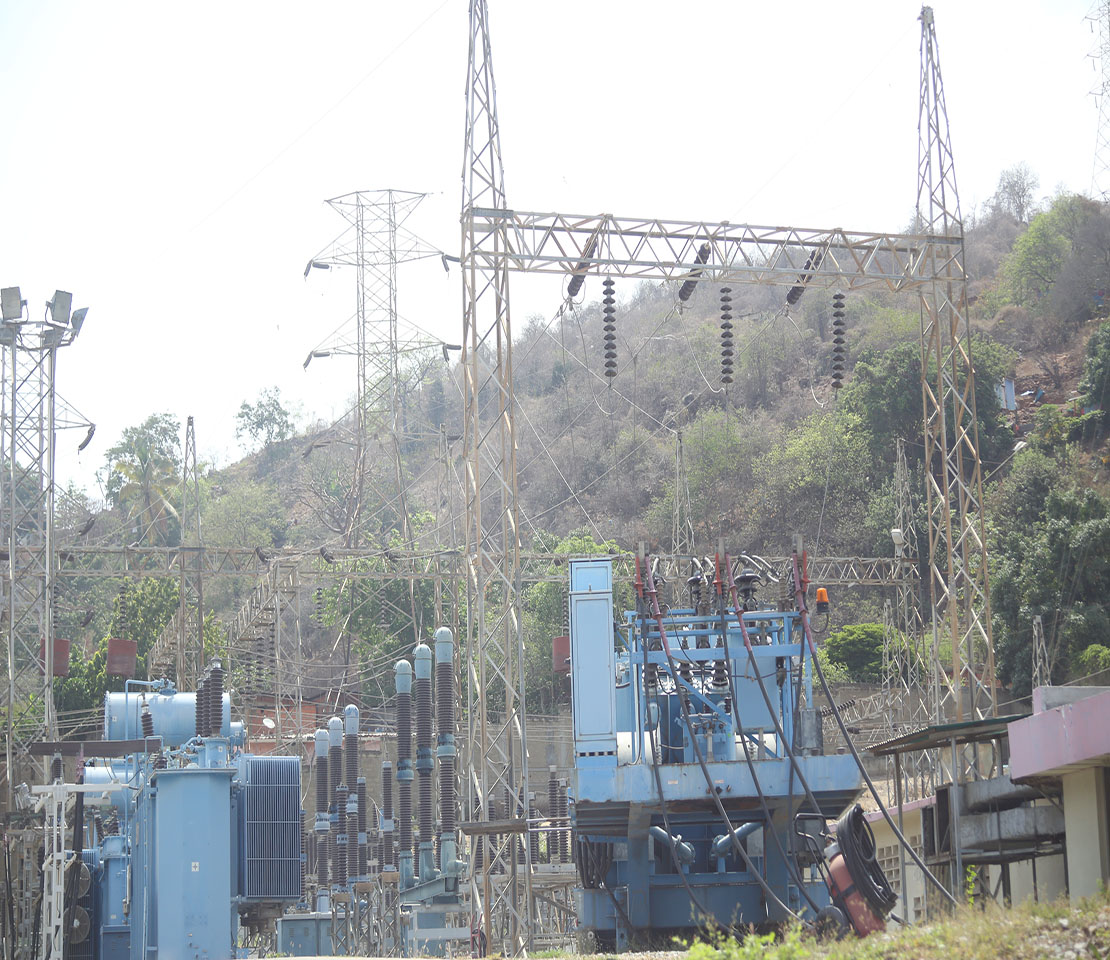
(683, 850)
(723, 842)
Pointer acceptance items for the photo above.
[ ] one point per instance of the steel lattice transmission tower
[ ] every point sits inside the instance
(190, 657)
(1100, 24)
(911, 677)
(31, 416)
(383, 344)
(498, 756)
(179, 650)
(958, 576)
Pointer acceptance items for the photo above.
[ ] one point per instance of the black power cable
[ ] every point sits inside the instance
(794, 765)
(857, 843)
(649, 587)
(655, 760)
(10, 913)
(790, 861)
(799, 599)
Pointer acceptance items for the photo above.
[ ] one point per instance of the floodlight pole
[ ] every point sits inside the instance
(27, 519)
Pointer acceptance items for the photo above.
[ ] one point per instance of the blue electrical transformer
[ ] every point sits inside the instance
(198, 840)
(654, 853)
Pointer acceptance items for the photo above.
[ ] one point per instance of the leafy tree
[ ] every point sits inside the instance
(1039, 254)
(859, 647)
(142, 476)
(266, 421)
(1014, 196)
(140, 612)
(1051, 557)
(788, 485)
(1096, 370)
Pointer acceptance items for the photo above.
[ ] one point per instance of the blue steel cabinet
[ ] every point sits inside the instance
(593, 661)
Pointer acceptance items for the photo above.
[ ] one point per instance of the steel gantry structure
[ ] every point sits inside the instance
(499, 240)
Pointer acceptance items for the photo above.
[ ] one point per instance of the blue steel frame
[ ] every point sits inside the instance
(616, 803)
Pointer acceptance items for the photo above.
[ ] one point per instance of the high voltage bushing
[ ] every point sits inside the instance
(564, 833)
(610, 328)
(201, 711)
(422, 687)
(533, 833)
(813, 261)
(335, 755)
(318, 600)
(687, 288)
(579, 277)
(352, 836)
(304, 858)
(350, 755)
(403, 674)
(553, 834)
(215, 698)
(385, 854)
(340, 847)
(350, 743)
(726, 335)
(323, 823)
(147, 720)
(363, 839)
(445, 747)
(840, 348)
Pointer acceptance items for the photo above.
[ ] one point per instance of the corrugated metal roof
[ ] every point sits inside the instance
(942, 734)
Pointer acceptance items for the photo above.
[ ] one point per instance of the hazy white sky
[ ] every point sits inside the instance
(168, 163)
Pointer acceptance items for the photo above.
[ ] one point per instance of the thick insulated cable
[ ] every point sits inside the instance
(791, 865)
(659, 781)
(799, 595)
(649, 587)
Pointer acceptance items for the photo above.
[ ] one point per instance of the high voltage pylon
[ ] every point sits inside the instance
(391, 356)
(1099, 18)
(383, 344)
(497, 753)
(959, 585)
(31, 413)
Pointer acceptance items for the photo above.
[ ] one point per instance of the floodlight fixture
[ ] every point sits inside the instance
(898, 536)
(77, 321)
(11, 304)
(59, 308)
